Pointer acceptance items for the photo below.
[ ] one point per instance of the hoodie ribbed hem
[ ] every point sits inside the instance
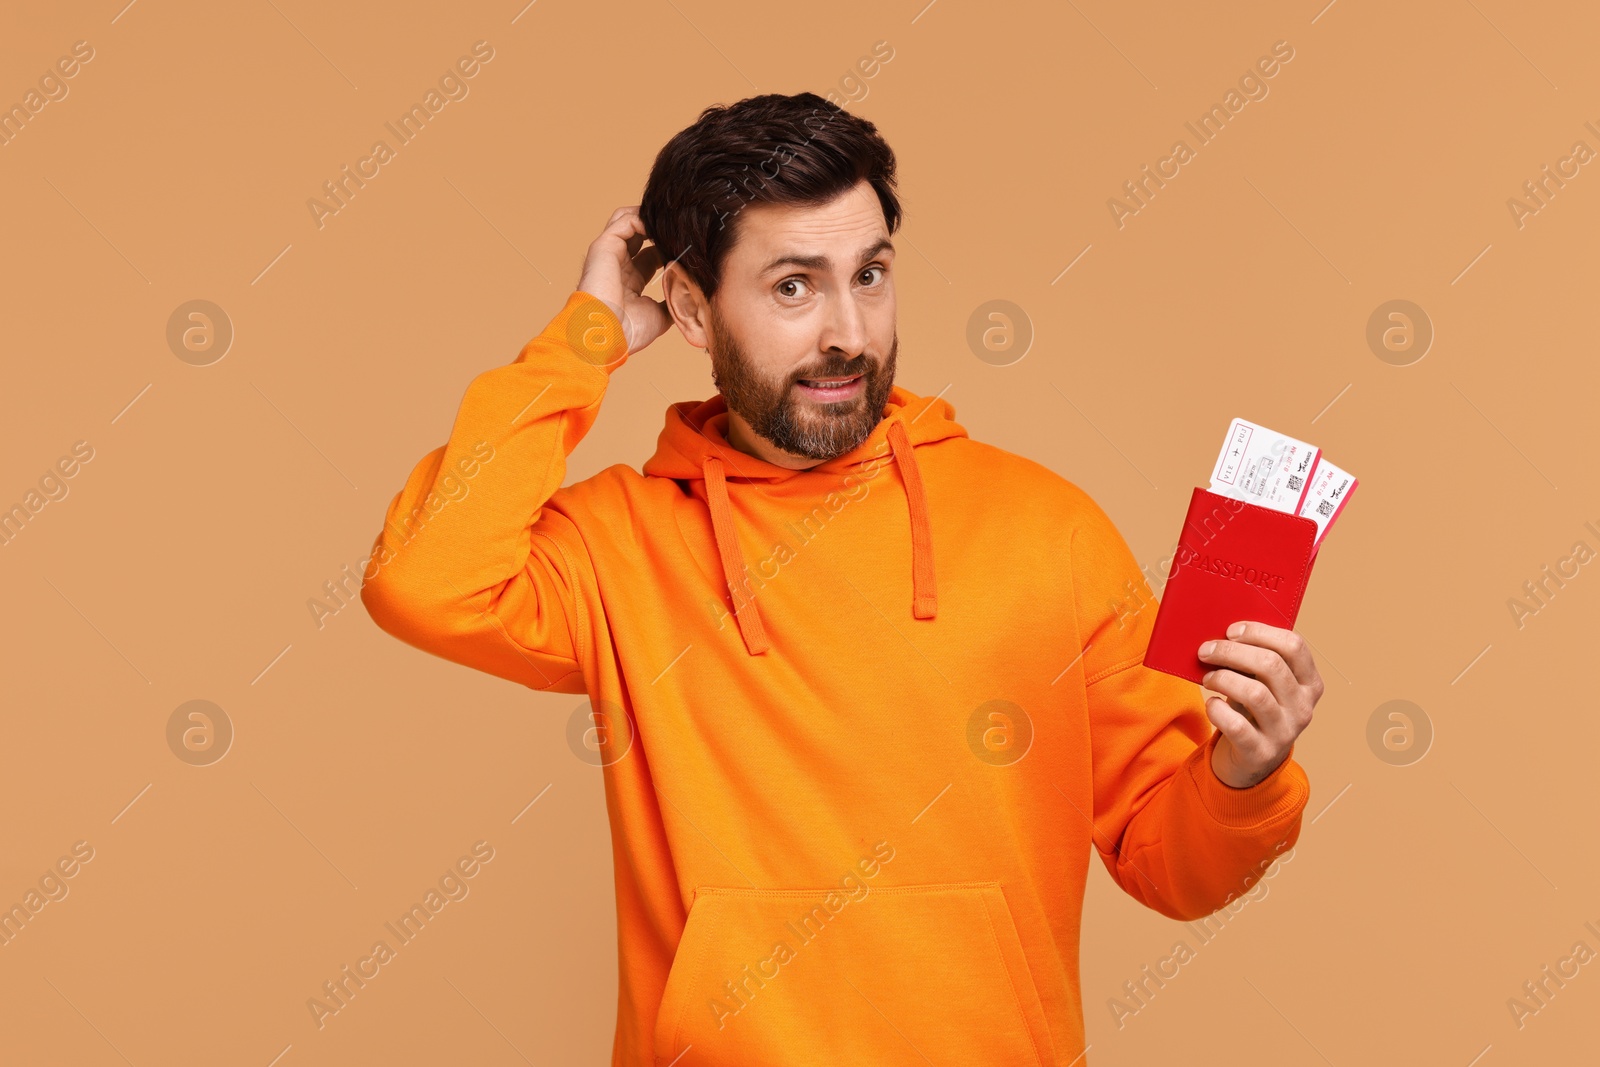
(1275, 796)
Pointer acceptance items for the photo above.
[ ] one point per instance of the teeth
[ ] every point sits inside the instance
(828, 381)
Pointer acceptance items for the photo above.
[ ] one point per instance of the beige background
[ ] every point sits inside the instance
(220, 498)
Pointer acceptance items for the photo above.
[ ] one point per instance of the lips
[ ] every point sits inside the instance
(832, 390)
(830, 383)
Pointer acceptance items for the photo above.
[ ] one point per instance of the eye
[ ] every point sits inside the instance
(881, 271)
(790, 281)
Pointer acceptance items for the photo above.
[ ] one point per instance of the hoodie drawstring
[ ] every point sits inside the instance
(733, 564)
(924, 598)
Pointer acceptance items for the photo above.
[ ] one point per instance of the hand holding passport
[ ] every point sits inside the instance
(1247, 544)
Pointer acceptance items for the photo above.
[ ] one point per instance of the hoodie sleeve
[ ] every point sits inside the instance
(1173, 835)
(470, 564)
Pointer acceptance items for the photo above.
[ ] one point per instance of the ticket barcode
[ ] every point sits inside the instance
(1324, 508)
(1294, 481)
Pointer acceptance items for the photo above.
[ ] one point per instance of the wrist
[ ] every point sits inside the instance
(1224, 770)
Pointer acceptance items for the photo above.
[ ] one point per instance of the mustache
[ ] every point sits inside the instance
(859, 365)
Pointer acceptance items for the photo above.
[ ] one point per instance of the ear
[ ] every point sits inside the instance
(686, 304)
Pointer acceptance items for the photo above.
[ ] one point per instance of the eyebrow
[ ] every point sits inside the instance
(822, 262)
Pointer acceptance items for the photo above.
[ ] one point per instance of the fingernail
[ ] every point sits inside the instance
(1236, 629)
(1208, 648)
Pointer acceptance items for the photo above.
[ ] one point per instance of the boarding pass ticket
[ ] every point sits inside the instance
(1263, 467)
(1274, 470)
(1329, 488)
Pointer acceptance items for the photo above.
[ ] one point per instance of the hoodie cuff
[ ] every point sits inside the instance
(588, 328)
(1282, 792)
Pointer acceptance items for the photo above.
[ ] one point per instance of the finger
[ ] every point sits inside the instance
(1231, 724)
(1286, 643)
(625, 223)
(1269, 715)
(646, 263)
(602, 256)
(629, 231)
(1264, 663)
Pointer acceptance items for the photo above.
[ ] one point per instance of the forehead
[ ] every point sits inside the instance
(840, 228)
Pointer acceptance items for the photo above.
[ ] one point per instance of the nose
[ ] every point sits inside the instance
(846, 329)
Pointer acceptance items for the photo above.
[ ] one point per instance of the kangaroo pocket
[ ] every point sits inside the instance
(909, 975)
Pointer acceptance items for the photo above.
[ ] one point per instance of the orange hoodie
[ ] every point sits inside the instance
(859, 725)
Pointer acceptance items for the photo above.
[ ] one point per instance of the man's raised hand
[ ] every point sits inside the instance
(616, 270)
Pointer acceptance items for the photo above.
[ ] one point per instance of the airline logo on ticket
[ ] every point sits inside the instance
(1330, 488)
(1262, 466)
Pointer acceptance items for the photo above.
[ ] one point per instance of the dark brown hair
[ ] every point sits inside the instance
(771, 149)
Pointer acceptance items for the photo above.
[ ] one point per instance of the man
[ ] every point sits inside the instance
(863, 687)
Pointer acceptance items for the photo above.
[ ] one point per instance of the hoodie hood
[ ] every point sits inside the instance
(694, 446)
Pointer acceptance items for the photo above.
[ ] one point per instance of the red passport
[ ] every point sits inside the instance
(1234, 561)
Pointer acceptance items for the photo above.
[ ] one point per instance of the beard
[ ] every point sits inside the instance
(776, 410)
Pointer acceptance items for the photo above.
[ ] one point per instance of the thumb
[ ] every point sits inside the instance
(647, 320)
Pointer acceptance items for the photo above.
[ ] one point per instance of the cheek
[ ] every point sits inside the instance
(796, 359)
(886, 312)
(884, 325)
(787, 349)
